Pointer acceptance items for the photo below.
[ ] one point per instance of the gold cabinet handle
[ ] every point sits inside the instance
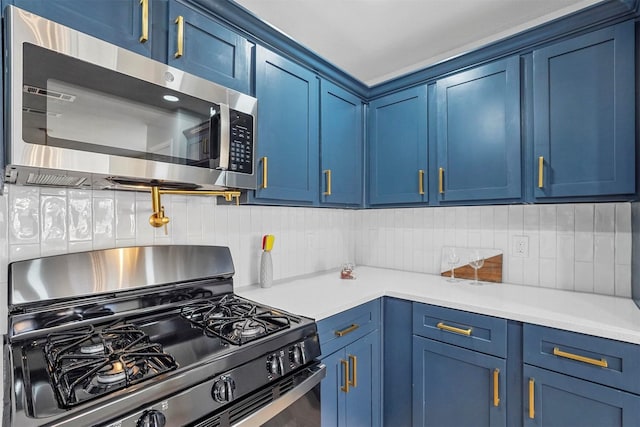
(144, 33)
(328, 175)
(540, 172)
(264, 172)
(532, 410)
(442, 326)
(345, 331)
(345, 367)
(441, 180)
(180, 36)
(353, 382)
(602, 362)
(421, 182)
(496, 385)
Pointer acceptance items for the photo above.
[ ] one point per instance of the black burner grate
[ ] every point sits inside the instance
(235, 320)
(87, 363)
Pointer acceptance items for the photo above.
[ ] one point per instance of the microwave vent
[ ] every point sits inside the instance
(55, 180)
(49, 93)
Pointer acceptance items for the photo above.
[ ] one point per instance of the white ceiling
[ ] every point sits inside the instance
(377, 40)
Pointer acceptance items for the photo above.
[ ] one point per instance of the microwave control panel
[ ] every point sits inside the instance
(241, 144)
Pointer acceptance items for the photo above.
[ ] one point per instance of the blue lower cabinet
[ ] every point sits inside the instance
(457, 387)
(350, 393)
(557, 400)
(397, 344)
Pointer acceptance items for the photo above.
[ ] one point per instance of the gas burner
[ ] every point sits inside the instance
(87, 363)
(234, 319)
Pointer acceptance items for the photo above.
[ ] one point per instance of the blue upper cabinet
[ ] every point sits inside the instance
(126, 23)
(341, 154)
(288, 124)
(202, 46)
(584, 115)
(398, 148)
(478, 133)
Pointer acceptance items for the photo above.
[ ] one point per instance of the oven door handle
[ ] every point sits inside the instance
(266, 413)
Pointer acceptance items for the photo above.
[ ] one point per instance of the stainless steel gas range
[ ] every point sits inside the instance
(152, 336)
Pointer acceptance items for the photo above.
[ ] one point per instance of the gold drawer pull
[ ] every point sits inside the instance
(602, 362)
(344, 332)
(496, 391)
(421, 182)
(180, 36)
(144, 33)
(345, 366)
(442, 326)
(540, 172)
(441, 180)
(354, 371)
(532, 411)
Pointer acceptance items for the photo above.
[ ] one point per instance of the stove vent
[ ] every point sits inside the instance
(48, 93)
(55, 180)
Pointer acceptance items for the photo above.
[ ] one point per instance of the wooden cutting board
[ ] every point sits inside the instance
(491, 271)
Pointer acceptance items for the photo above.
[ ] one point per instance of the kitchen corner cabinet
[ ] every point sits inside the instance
(398, 148)
(459, 368)
(288, 130)
(584, 115)
(202, 46)
(341, 121)
(350, 344)
(478, 133)
(581, 380)
(207, 48)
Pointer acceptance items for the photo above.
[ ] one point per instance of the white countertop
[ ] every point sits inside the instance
(325, 294)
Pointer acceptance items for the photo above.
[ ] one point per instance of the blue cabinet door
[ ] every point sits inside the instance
(478, 133)
(397, 344)
(202, 46)
(332, 395)
(455, 386)
(560, 400)
(288, 124)
(584, 115)
(340, 146)
(351, 391)
(398, 148)
(117, 21)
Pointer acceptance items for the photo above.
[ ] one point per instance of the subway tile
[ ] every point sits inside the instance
(531, 271)
(516, 218)
(53, 227)
(531, 218)
(516, 270)
(584, 243)
(104, 233)
(565, 218)
(548, 218)
(604, 248)
(501, 218)
(80, 215)
(584, 281)
(565, 247)
(603, 279)
(623, 281)
(24, 215)
(584, 214)
(125, 215)
(20, 252)
(548, 244)
(547, 273)
(565, 275)
(605, 218)
(623, 245)
(623, 217)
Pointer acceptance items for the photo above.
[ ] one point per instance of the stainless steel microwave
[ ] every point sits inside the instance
(86, 113)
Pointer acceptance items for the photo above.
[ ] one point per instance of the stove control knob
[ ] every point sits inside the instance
(223, 390)
(152, 418)
(296, 354)
(274, 365)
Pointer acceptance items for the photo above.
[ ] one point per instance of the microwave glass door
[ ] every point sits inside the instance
(74, 104)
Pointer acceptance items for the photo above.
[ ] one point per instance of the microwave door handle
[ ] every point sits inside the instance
(225, 137)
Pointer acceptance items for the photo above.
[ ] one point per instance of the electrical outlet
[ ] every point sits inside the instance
(520, 246)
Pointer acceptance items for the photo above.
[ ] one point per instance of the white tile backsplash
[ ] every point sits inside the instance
(581, 247)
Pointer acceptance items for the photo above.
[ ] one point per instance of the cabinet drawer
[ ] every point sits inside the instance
(601, 360)
(344, 328)
(477, 332)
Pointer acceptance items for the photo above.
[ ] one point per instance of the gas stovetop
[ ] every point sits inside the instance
(91, 359)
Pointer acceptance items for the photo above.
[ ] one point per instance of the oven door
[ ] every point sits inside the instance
(293, 401)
